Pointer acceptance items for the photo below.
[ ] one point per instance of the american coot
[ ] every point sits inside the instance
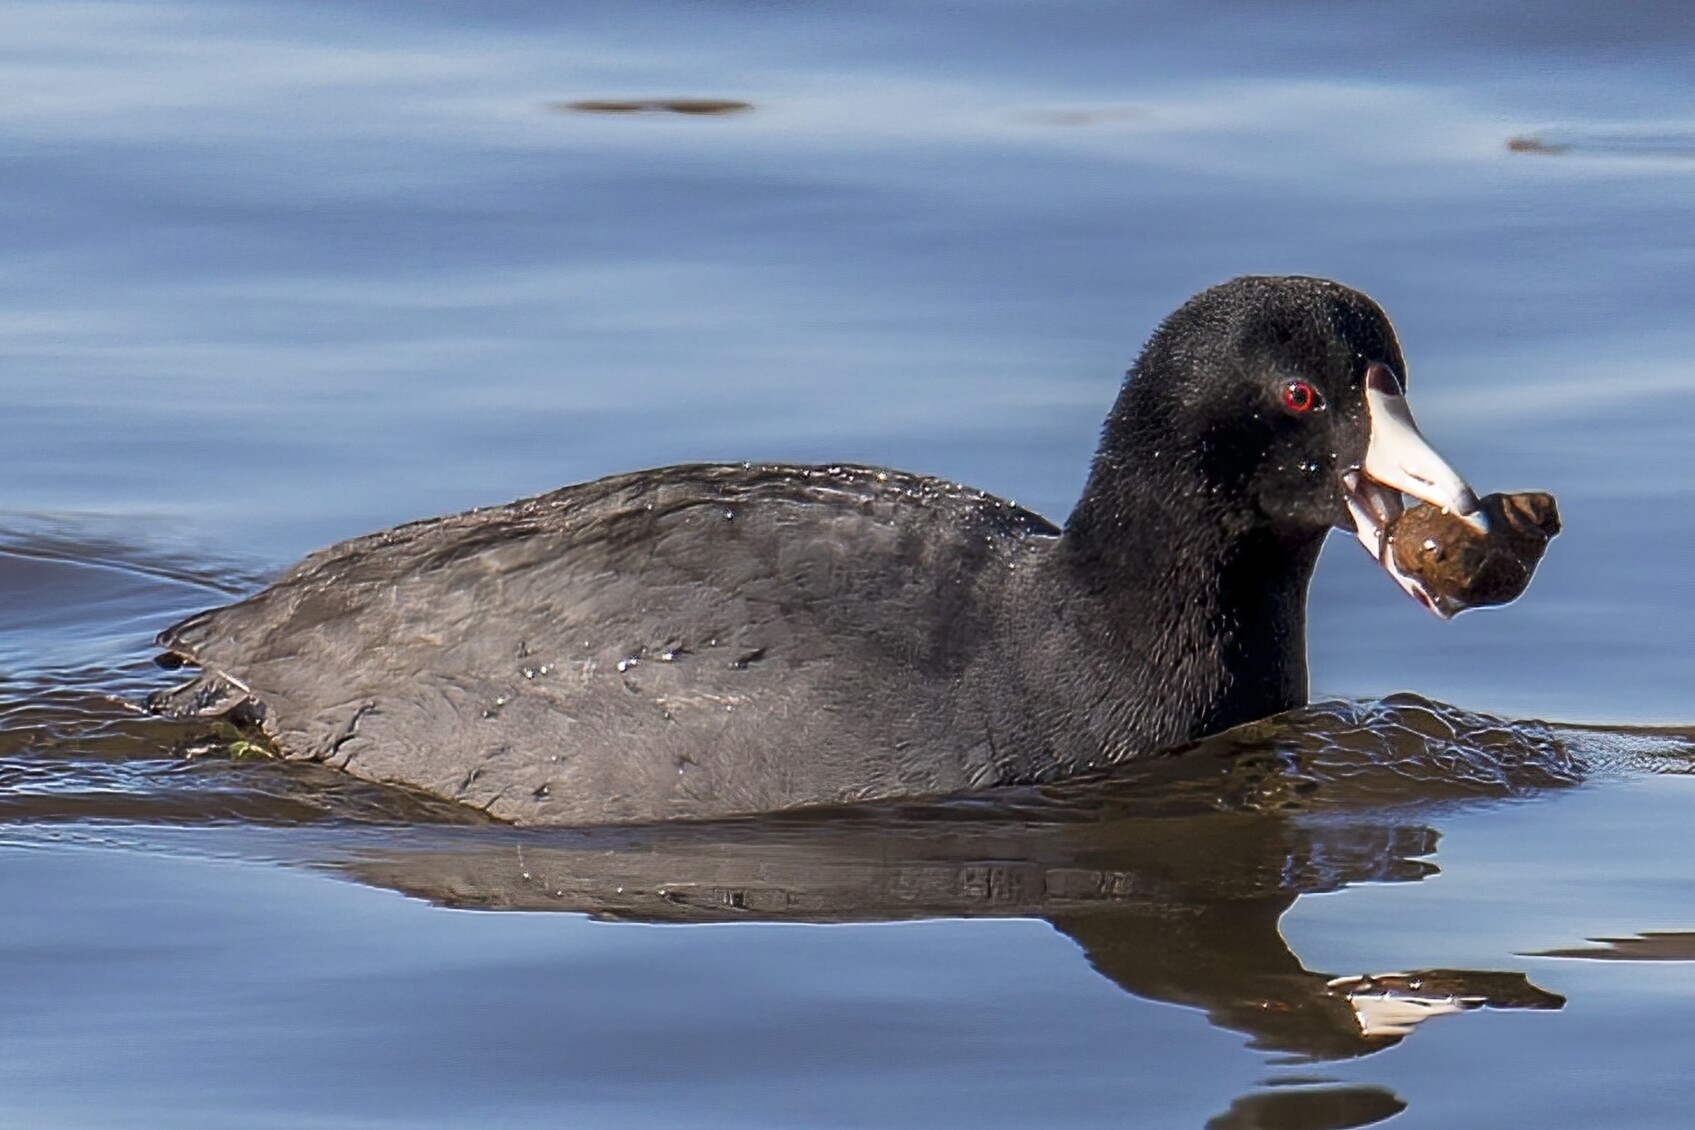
(709, 640)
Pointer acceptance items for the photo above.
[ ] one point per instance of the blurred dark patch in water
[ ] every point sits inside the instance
(1605, 144)
(1088, 116)
(1329, 1108)
(694, 107)
(1654, 945)
(1533, 145)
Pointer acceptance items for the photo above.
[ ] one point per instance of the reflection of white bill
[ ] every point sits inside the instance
(1393, 1004)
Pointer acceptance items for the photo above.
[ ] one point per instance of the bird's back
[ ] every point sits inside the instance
(692, 641)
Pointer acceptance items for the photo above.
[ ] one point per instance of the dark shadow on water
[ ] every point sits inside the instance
(1310, 1109)
(1171, 876)
(689, 107)
(1654, 945)
(1604, 143)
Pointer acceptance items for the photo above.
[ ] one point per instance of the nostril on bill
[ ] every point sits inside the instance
(1381, 378)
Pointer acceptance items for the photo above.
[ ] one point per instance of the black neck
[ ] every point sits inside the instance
(1213, 599)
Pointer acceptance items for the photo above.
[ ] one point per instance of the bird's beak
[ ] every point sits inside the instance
(1398, 461)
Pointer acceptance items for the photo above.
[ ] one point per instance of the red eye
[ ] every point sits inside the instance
(1300, 397)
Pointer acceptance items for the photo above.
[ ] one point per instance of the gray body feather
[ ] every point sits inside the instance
(703, 641)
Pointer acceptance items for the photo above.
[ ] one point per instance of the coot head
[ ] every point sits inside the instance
(1268, 409)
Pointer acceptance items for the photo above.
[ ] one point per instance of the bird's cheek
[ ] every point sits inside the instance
(1303, 495)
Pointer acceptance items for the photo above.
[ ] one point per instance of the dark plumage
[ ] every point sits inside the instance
(707, 640)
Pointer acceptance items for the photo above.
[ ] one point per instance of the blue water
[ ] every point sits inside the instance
(275, 274)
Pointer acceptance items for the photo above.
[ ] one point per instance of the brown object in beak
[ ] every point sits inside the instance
(1457, 561)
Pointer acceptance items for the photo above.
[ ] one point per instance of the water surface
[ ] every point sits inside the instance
(275, 274)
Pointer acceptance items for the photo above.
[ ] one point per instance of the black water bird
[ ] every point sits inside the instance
(708, 640)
